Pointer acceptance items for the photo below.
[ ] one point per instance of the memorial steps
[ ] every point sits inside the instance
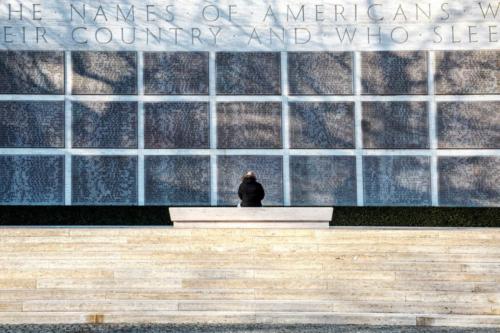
(376, 276)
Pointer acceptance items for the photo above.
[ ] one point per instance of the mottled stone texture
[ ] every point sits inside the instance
(394, 73)
(105, 125)
(104, 180)
(176, 125)
(467, 72)
(248, 73)
(32, 124)
(397, 180)
(104, 73)
(320, 73)
(249, 125)
(269, 171)
(469, 181)
(31, 72)
(323, 180)
(395, 125)
(31, 180)
(321, 125)
(469, 125)
(177, 180)
(176, 73)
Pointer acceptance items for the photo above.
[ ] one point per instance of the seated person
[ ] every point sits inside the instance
(250, 191)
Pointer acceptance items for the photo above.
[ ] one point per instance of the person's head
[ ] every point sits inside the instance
(249, 176)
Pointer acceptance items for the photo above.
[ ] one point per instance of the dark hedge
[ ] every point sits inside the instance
(342, 216)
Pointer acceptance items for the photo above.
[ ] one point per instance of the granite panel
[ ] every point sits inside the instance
(31, 180)
(467, 72)
(104, 180)
(104, 73)
(176, 73)
(248, 73)
(469, 125)
(31, 72)
(394, 73)
(177, 180)
(104, 125)
(269, 170)
(323, 180)
(320, 73)
(32, 124)
(397, 180)
(469, 181)
(176, 125)
(321, 125)
(249, 125)
(395, 125)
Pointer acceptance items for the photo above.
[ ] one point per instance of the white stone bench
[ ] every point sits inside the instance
(265, 217)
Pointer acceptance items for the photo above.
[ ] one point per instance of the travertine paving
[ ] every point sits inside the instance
(337, 276)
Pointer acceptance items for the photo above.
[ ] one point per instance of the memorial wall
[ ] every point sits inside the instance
(388, 103)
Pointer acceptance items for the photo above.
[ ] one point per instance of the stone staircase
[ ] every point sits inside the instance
(374, 276)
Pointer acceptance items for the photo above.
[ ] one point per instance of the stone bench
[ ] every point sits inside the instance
(265, 217)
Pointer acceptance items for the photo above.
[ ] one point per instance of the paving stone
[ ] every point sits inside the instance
(104, 180)
(176, 125)
(248, 73)
(323, 180)
(467, 72)
(31, 72)
(177, 180)
(469, 125)
(321, 125)
(104, 73)
(395, 125)
(469, 181)
(397, 180)
(104, 124)
(269, 171)
(394, 73)
(250, 125)
(31, 180)
(320, 73)
(176, 73)
(35, 124)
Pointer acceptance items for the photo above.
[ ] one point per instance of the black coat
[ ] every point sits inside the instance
(251, 193)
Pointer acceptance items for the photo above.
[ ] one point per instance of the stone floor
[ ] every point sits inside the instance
(162, 328)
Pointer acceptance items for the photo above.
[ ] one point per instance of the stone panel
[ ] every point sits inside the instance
(104, 73)
(321, 125)
(397, 180)
(31, 72)
(177, 180)
(323, 180)
(249, 125)
(269, 171)
(394, 73)
(105, 125)
(176, 125)
(469, 125)
(104, 180)
(320, 73)
(31, 180)
(395, 125)
(176, 73)
(469, 181)
(32, 124)
(467, 72)
(248, 73)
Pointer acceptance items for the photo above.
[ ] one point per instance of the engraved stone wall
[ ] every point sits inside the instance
(31, 124)
(377, 128)
(177, 180)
